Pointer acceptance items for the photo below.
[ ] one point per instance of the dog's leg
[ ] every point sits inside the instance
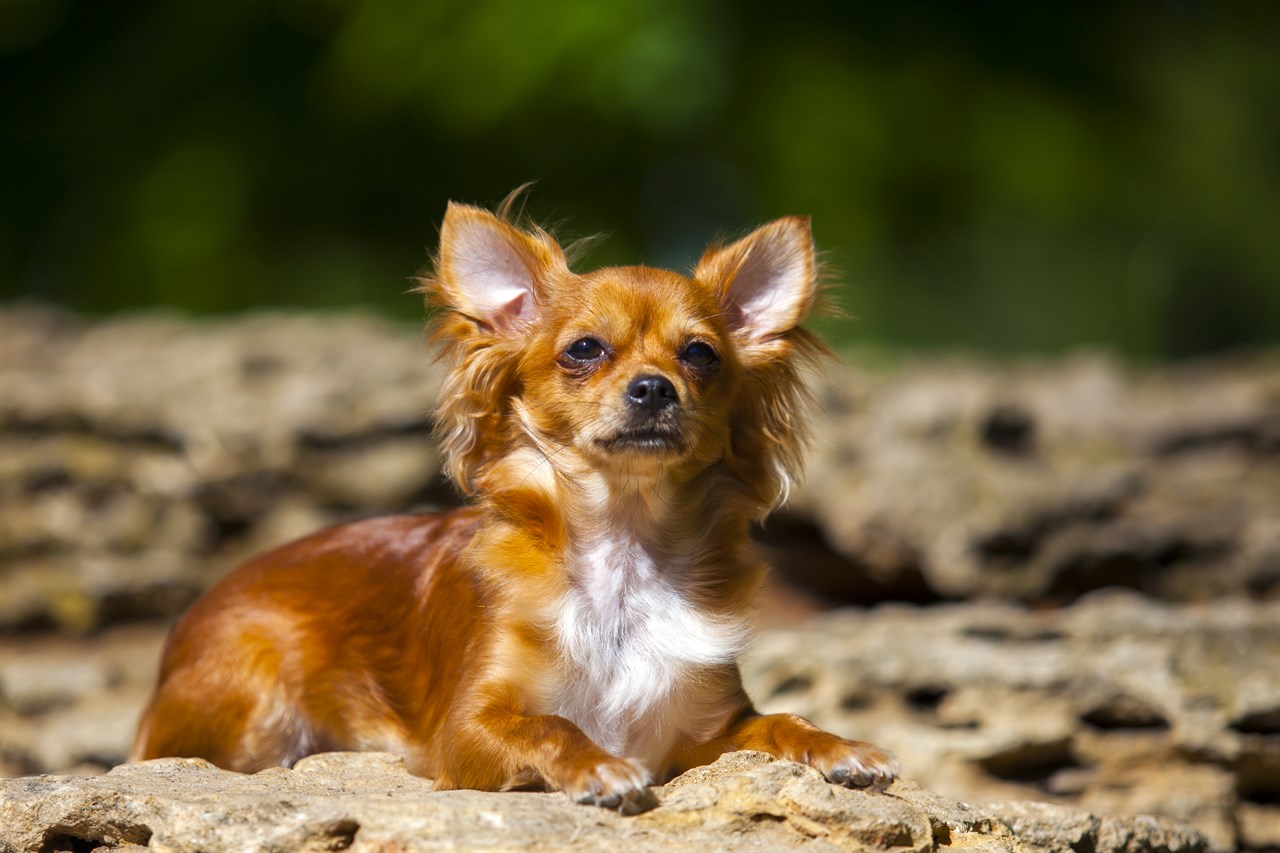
(243, 721)
(498, 748)
(851, 763)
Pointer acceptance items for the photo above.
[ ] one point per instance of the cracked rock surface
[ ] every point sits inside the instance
(1040, 482)
(367, 802)
(1118, 704)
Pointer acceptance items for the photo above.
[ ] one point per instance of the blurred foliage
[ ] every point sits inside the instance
(1007, 176)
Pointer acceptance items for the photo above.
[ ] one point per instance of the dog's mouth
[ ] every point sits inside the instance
(645, 440)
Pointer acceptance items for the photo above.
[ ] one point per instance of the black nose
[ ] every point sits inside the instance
(652, 393)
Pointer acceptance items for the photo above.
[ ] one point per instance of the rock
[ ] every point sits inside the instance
(1259, 826)
(1116, 705)
(1204, 796)
(146, 454)
(31, 683)
(1041, 826)
(368, 802)
(1043, 481)
(68, 701)
(96, 731)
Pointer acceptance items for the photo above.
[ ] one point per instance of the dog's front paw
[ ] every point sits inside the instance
(854, 764)
(612, 783)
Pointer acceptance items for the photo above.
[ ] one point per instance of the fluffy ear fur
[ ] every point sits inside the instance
(486, 285)
(492, 272)
(766, 281)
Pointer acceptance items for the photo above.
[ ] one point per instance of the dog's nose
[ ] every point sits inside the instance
(652, 393)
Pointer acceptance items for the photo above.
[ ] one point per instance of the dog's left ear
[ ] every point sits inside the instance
(493, 272)
(767, 280)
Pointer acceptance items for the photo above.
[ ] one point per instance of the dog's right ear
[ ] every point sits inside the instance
(766, 281)
(491, 271)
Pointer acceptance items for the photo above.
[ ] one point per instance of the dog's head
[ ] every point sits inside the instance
(625, 371)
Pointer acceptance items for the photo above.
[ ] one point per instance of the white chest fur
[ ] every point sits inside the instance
(633, 640)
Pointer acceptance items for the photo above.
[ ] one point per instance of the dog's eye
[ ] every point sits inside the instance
(698, 354)
(585, 349)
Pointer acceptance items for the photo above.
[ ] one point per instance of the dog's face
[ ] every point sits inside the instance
(631, 370)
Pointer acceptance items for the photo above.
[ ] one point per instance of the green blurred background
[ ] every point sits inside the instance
(1012, 177)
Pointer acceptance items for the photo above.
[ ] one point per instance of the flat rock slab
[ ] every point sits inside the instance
(368, 802)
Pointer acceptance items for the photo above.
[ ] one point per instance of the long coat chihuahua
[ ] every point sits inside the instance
(577, 627)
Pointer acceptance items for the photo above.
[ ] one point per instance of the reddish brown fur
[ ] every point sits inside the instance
(436, 636)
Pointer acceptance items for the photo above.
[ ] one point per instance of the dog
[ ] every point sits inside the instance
(576, 627)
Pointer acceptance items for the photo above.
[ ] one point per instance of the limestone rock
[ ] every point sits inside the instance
(144, 455)
(1117, 704)
(954, 478)
(367, 802)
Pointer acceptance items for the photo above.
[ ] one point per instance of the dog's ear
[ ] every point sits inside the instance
(491, 271)
(766, 281)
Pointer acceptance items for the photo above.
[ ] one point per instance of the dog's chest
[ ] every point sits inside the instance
(632, 638)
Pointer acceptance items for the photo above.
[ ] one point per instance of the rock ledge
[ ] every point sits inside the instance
(746, 801)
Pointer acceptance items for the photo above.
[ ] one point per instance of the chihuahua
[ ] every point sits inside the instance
(577, 626)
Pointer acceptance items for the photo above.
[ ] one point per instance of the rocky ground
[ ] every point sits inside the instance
(1086, 560)
(746, 801)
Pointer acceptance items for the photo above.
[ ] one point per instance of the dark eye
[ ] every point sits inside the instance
(698, 354)
(585, 349)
